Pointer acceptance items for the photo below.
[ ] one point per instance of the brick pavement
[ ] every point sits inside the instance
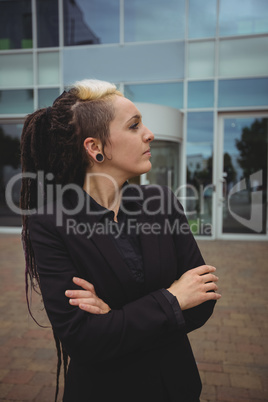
(231, 349)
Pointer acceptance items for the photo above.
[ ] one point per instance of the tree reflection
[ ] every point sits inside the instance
(251, 144)
(253, 148)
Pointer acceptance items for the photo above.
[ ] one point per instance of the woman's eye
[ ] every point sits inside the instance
(134, 126)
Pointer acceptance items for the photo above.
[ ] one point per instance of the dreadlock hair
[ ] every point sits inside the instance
(52, 143)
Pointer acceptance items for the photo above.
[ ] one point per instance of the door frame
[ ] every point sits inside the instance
(218, 178)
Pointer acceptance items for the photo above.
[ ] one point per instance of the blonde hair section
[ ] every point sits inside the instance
(90, 89)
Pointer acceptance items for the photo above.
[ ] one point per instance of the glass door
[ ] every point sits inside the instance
(242, 176)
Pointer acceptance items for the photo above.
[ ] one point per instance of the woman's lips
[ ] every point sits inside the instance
(148, 152)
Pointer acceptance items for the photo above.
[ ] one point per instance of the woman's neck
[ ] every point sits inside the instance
(105, 190)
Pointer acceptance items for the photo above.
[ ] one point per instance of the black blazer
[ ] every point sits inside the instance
(136, 352)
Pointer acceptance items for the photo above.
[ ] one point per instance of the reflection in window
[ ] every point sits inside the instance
(170, 94)
(200, 94)
(246, 92)
(134, 63)
(16, 70)
(48, 68)
(165, 164)
(245, 175)
(15, 24)
(16, 101)
(202, 18)
(9, 166)
(91, 22)
(47, 23)
(243, 18)
(243, 57)
(154, 20)
(199, 172)
(46, 96)
(201, 59)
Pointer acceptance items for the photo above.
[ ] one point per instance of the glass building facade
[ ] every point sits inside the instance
(207, 60)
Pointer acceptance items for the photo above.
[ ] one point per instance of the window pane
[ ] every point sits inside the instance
(16, 70)
(202, 18)
(48, 68)
(165, 164)
(251, 92)
(201, 59)
(47, 23)
(154, 20)
(200, 94)
(90, 22)
(243, 57)
(170, 94)
(15, 24)
(243, 18)
(16, 101)
(129, 63)
(47, 96)
(9, 166)
(199, 172)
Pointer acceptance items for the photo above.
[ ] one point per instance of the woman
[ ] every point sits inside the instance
(120, 273)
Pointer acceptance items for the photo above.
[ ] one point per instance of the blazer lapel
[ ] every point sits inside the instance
(105, 244)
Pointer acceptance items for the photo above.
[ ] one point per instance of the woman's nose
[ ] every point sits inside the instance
(149, 135)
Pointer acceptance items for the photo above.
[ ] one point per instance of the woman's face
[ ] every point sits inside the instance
(128, 148)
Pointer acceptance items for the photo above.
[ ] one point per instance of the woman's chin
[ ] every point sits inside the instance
(148, 167)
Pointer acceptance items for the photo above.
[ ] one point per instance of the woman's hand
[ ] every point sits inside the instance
(195, 287)
(87, 299)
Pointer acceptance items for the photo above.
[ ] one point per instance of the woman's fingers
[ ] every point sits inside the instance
(203, 269)
(78, 294)
(92, 309)
(82, 296)
(196, 286)
(211, 296)
(210, 286)
(209, 278)
(92, 305)
(91, 301)
(84, 284)
(86, 299)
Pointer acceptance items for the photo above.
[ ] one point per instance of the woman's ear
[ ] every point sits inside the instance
(93, 148)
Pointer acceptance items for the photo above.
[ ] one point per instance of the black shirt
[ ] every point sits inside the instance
(127, 241)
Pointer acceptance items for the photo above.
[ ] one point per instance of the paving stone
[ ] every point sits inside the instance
(209, 393)
(5, 362)
(20, 363)
(247, 381)
(23, 392)
(20, 352)
(48, 394)
(236, 368)
(45, 354)
(43, 378)
(217, 378)
(5, 389)
(3, 373)
(212, 367)
(18, 377)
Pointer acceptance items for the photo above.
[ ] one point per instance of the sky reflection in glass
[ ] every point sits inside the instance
(243, 18)
(244, 92)
(170, 94)
(154, 20)
(202, 18)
